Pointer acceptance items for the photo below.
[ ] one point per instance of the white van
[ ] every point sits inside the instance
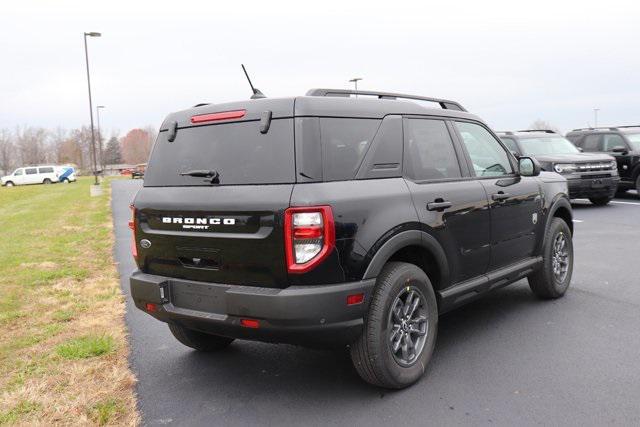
(46, 174)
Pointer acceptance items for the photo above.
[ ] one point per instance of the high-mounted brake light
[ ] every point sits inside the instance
(132, 226)
(310, 236)
(213, 117)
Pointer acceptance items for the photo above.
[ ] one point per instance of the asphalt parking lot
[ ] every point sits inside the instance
(508, 359)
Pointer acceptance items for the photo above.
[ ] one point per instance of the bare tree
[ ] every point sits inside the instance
(31, 144)
(7, 152)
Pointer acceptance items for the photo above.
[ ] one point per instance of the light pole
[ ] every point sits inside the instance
(93, 137)
(355, 81)
(98, 108)
(595, 115)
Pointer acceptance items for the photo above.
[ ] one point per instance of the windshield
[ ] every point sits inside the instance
(544, 146)
(634, 140)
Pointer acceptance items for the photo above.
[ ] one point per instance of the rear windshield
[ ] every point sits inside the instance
(238, 152)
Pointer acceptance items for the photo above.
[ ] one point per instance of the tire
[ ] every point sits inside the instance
(9, 184)
(548, 283)
(65, 181)
(372, 353)
(600, 201)
(46, 181)
(199, 340)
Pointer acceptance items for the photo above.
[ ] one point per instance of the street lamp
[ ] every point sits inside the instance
(595, 114)
(355, 82)
(100, 136)
(93, 137)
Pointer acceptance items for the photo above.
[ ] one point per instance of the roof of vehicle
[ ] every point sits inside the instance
(604, 129)
(334, 103)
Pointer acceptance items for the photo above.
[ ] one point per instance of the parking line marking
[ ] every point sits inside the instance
(626, 203)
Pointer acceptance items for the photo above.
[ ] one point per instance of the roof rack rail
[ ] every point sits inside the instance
(537, 130)
(200, 105)
(445, 104)
(629, 126)
(603, 128)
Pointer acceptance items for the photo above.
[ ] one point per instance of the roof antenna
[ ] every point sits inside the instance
(256, 92)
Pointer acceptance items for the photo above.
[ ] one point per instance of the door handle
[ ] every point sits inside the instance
(438, 205)
(500, 196)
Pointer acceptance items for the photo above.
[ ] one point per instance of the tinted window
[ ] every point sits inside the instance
(489, 158)
(511, 144)
(591, 143)
(430, 153)
(31, 171)
(45, 170)
(237, 151)
(611, 141)
(344, 143)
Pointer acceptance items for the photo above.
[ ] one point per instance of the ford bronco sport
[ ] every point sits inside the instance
(333, 220)
(621, 142)
(593, 176)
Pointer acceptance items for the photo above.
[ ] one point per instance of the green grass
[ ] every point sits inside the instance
(103, 412)
(85, 347)
(24, 407)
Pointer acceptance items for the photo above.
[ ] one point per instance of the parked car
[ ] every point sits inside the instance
(46, 174)
(621, 142)
(330, 220)
(138, 172)
(590, 175)
(66, 174)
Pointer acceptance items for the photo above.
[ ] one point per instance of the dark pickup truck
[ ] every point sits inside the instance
(333, 220)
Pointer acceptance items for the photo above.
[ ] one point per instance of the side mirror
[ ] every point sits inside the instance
(528, 166)
(620, 149)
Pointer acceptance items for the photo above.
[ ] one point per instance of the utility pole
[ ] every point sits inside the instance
(98, 108)
(93, 136)
(355, 81)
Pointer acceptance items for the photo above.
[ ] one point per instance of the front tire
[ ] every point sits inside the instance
(553, 279)
(46, 181)
(9, 184)
(199, 340)
(600, 201)
(400, 328)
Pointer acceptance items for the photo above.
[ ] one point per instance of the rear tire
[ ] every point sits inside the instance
(46, 181)
(65, 181)
(553, 279)
(600, 201)
(403, 314)
(199, 340)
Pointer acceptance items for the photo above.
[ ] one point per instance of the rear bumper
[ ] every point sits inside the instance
(593, 187)
(307, 315)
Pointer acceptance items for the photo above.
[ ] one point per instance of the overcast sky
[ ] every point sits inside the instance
(509, 62)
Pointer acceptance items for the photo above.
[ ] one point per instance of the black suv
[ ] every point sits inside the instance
(591, 176)
(622, 142)
(332, 220)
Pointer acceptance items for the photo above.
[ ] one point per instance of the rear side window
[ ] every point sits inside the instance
(591, 143)
(31, 171)
(45, 170)
(430, 153)
(611, 141)
(344, 144)
(238, 152)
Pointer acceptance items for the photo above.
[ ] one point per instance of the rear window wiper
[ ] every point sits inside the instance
(200, 173)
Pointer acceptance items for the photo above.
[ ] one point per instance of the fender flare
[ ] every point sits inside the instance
(560, 201)
(402, 240)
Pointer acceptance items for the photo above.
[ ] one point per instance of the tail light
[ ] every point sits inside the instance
(132, 226)
(309, 236)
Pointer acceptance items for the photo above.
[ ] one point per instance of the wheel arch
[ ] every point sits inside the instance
(561, 208)
(415, 247)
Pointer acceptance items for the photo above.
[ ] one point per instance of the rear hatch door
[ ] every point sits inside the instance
(226, 227)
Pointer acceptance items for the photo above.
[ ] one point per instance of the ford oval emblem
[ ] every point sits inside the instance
(145, 243)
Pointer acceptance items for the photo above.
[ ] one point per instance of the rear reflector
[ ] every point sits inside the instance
(355, 299)
(250, 323)
(151, 307)
(225, 115)
(132, 226)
